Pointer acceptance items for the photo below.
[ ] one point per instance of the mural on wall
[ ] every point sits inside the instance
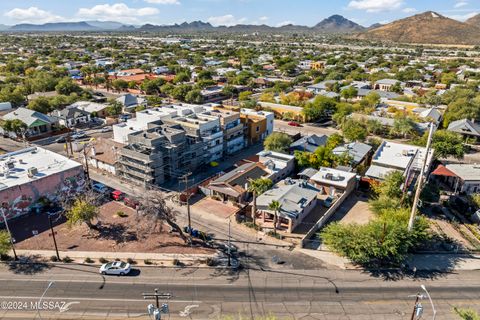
(24, 203)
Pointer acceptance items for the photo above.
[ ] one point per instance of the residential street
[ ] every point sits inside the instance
(204, 293)
(306, 129)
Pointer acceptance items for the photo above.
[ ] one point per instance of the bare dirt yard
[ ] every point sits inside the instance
(115, 233)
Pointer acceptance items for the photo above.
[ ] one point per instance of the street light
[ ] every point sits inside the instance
(9, 232)
(40, 300)
(431, 302)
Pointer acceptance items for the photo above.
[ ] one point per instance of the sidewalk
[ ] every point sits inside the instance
(81, 255)
(422, 262)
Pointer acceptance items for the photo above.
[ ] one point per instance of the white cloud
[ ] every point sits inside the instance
(163, 1)
(32, 15)
(409, 10)
(460, 4)
(463, 17)
(119, 12)
(226, 20)
(263, 19)
(375, 5)
(284, 23)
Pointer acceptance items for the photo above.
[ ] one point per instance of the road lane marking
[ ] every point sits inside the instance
(92, 299)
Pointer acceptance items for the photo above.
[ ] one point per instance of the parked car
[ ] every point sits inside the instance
(100, 188)
(294, 124)
(79, 135)
(328, 202)
(117, 268)
(131, 202)
(117, 195)
(106, 129)
(61, 140)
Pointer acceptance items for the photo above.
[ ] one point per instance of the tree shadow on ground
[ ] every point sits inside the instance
(116, 232)
(28, 265)
(421, 267)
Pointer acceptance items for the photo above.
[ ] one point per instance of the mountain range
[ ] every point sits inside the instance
(333, 24)
(425, 28)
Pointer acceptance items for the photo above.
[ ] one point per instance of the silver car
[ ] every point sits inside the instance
(117, 268)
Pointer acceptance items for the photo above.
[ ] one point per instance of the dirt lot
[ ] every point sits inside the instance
(115, 234)
(354, 210)
(208, 206)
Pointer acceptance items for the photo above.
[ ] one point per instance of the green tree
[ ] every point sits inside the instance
(181, 77)
(390, 187)
(16, 126)
(374, 126)
(119, 84)
(349, 93)
(467, 314)
(66, 86)
(370, 101)
(445, 143)
(258, 187)
(40, 104)
(354, 130)
(245, 95)
(320, 107)
(275, 206)
(267, 97)
(278, 141)
(5, 244)
(403, 126)
(82, 211)
(181, 91)
(194, 96)
(114, 108)
(384, 241)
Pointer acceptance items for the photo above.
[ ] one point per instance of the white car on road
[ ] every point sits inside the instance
(117, 268)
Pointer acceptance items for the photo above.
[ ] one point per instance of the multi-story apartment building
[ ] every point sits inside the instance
(232, 127)
(160, 153)
(206, 128)
(258, 124)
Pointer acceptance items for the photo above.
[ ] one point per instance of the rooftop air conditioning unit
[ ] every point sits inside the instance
(32, 172)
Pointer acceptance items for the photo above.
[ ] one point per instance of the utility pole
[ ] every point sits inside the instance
(417, 308)
(156, 310)
(87, 169)
(185, 178)
(10, 233)
(420, 179)
(53, 236)
(229, 250)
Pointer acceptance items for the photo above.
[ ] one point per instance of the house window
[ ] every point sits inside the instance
(258, 129)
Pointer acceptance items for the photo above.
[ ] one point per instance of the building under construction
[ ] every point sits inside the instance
(160, 153)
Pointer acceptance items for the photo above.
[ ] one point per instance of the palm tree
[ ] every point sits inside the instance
(275, 206)
(257, 187)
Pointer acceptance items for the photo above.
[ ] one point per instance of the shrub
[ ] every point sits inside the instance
(121, 214)
(147, 262)
(210, 262)
(176, 262)
(88, 260)
(102, 260)
(117, 259)
(250, 224)
(5, 257)
(131, 261)
(53, 258)
(67, 259)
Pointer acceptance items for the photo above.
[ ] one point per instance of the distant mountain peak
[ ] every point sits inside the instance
(338, 23)
(426, 28)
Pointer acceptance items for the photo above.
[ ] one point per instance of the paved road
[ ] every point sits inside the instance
(306, 129)
(211, 293)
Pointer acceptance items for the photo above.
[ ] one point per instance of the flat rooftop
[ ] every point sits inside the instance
(14, 166)
(396, 155)
(333, 177)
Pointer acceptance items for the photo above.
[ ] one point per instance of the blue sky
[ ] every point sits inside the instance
(227, 12)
